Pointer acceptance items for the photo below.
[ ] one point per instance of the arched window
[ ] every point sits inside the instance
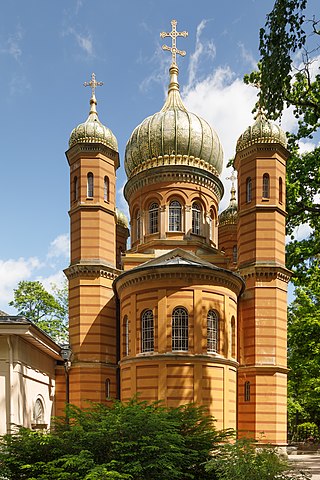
(175, 217)
(107, 385)
(280, 190)
(180, 337)
(126, 333)
(147, 331)
(235, 253)
(233, 337)
(38, 412)
(106, 191)
(247, 392)
(90, 185)
(266, 186)
(212, 331)
(138, 225)
(153, 218)
(248, 190)
(196, 218)
(75, 188)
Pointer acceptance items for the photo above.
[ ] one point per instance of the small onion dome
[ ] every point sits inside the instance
(121, 219)
(229, 216)
(262, 131)
(92, 130)
(173, 136)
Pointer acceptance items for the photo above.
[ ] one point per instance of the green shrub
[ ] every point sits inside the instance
(305, 431)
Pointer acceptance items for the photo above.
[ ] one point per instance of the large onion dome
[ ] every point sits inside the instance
(92, 130)
(229, 216)
(262, 131)
(173, 136)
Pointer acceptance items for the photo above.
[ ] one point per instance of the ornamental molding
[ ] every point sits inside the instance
(262, 369)
(85, 148)
(190, 274)
(263, 272)
(176, 174)
(192, 358)
(93, 270)
(254, 149)
(90, 206)
(260, 207)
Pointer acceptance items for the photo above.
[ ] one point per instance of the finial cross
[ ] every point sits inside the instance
(93, 84)
(232, 177)
(174, 34)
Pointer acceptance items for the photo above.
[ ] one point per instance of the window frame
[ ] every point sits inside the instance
(90, 185)
(180, 330)
(266, 186)
(196, 211)
(248, 190)
(175, 216)
(212, 331)
(147, 331)
(153, 217)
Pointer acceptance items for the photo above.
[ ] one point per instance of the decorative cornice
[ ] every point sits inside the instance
(85, 148)
(262, 147)
(261, 207)
(265, 271)
(180, 357)
(213, 276)
(174, 173)
(90, 206)
(263, 369)
(93, 270)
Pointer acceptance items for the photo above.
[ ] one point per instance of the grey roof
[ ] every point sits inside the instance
(3, 314)
(14, 319)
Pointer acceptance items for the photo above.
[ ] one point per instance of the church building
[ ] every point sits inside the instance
(194, 310)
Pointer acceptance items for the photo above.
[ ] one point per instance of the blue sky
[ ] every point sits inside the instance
(48, 49)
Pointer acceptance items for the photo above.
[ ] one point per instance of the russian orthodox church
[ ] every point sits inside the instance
(195, 309)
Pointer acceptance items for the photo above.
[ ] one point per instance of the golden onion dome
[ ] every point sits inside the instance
(173, 136)
(229, 216)
(121, 219)
(262, 131)
(92, 130)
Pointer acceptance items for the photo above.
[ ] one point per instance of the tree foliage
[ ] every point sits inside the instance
(125, 441)
(289, 76)
(47, 311)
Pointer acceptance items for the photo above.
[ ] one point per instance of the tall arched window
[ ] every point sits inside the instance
(196, 218)
(106, 191)
(90, 185)
(107, 385)
(212, 331)
(126, 335)
(180, 331)
(247, 392)
(280, 190)
(233, 337)
(75, 188)
(38, 412)
(147, 331)
(138, 225)
(175, 217)
(248, 190)
(235, 253)
(154, 218)
(266, 186)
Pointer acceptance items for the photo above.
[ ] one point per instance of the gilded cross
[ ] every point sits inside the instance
(174, 34)
(232, 177)
(93, 84)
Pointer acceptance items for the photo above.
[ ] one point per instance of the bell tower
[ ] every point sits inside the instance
(93, 158)
(262, 335)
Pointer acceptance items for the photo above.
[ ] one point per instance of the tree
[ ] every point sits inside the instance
(304, 353)
(130, 441)
(47, 311)
(289, 76)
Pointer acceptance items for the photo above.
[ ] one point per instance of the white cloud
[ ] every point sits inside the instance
(306, 146)
(59, 247)
(301, 232)
(12, 45)
(247, 56)
(56, 279)
(83, 40)
(13, 271)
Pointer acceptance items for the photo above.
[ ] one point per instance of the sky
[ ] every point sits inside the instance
(49, 49)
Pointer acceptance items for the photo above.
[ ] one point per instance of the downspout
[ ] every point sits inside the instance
(9, 387)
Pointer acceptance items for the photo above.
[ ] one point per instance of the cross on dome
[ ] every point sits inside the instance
(233, 178)
(93, 84)
(174, 34)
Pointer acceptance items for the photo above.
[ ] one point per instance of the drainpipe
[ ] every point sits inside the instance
(9, 387)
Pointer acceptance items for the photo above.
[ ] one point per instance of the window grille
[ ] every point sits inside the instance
(153, 218)
(266, 186)
(147, 332)
(280, 190)
(106, 189)
(248, 189)
(126, 327)
(108, 388)
(247, 392)
(90, 185)
(38, 412)
(75, 188)
(212, 331)
(180, 337)
(196, 218)
(175, 223)
(138, 225)
(233, 338)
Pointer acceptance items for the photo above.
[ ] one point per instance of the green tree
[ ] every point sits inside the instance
(130, 441)
(47, 311)
(289, 76)
(304, 353)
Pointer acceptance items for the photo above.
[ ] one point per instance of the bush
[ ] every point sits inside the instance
(305, 431)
